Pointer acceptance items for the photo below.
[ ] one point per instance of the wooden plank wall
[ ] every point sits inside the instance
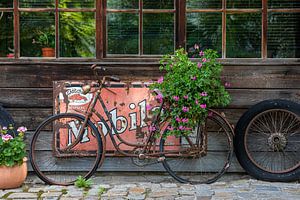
(26, 88)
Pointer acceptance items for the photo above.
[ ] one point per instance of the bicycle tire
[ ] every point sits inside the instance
(202, 169)
(266, 149)
(48, 159)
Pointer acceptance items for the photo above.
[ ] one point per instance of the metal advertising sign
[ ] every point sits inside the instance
(127, 105)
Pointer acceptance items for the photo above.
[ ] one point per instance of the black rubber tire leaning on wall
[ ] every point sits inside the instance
(260, 145)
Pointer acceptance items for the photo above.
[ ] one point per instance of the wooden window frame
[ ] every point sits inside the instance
(179, 32)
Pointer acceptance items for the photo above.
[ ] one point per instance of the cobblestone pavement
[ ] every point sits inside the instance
(149, 186)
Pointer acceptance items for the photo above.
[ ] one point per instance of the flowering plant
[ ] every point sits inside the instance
(12, 149)
(45, 38)
(188, 89)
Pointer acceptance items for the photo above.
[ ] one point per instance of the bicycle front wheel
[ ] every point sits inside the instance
(49, 157)
(199, 159)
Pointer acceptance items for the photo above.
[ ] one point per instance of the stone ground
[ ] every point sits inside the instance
(149, 186)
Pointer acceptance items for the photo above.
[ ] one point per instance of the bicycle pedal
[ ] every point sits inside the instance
(161, 159)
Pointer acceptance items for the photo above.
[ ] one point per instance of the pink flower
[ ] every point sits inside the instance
(210, 114)
(185, 109)
(197, 102)
(7, 137)
(199, 65)
(203, 106)
(160, 80)
(194, 78)
(204, 94)
(204, 60)
(159, 98)
(178, 119)
(227, 84)
(186, 96)
(22, 129)
(171, 65)
(201, 53)
(196, 46)
(182, 128)
(170, 128)
(185, 120)
(152, 128)
(148, 107)
(176, 98)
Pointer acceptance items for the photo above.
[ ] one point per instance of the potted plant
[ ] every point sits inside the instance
(189, 88)
(46, 39)
(13, 167)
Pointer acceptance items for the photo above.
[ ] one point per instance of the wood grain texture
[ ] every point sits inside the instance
(42, 97)
(240, 76)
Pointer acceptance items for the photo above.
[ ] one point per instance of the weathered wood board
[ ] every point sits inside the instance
(26, 89)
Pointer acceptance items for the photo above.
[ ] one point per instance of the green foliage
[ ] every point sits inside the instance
(189, 88)
(83, 183)
(12, 150)
(101, 191)
(45, 38)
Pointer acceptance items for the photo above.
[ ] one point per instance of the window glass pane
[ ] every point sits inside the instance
(158, 4)
(243, 36)
(76, 3)
(122, 33)
(205, 29)
(6, 34)
(201, 4)
(36, 32)
(244, 4)
(158, 33)
(123, 4)
(283, 3)
(36, 3)
(77, 34)
(284, 35)
(6, 3)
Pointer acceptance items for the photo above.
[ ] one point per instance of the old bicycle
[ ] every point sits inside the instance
(201, 157)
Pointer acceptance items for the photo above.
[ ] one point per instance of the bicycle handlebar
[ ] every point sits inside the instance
(94, 67)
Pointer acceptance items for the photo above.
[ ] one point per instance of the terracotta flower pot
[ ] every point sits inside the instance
(13, 177)
(48, 52)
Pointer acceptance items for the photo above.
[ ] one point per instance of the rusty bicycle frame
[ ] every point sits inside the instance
(149, 146)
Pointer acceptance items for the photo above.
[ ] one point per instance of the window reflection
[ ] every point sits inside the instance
(77, 34)
(122, 33)
(284, 35)
(243, 35)
(203, 4)
(158, 35)
(6, 3)
(36, 3)
(36, 32)
(6, 35)
(205, 29)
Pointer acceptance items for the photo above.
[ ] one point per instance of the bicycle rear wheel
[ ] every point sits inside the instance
(52, 163)
(204, 168)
